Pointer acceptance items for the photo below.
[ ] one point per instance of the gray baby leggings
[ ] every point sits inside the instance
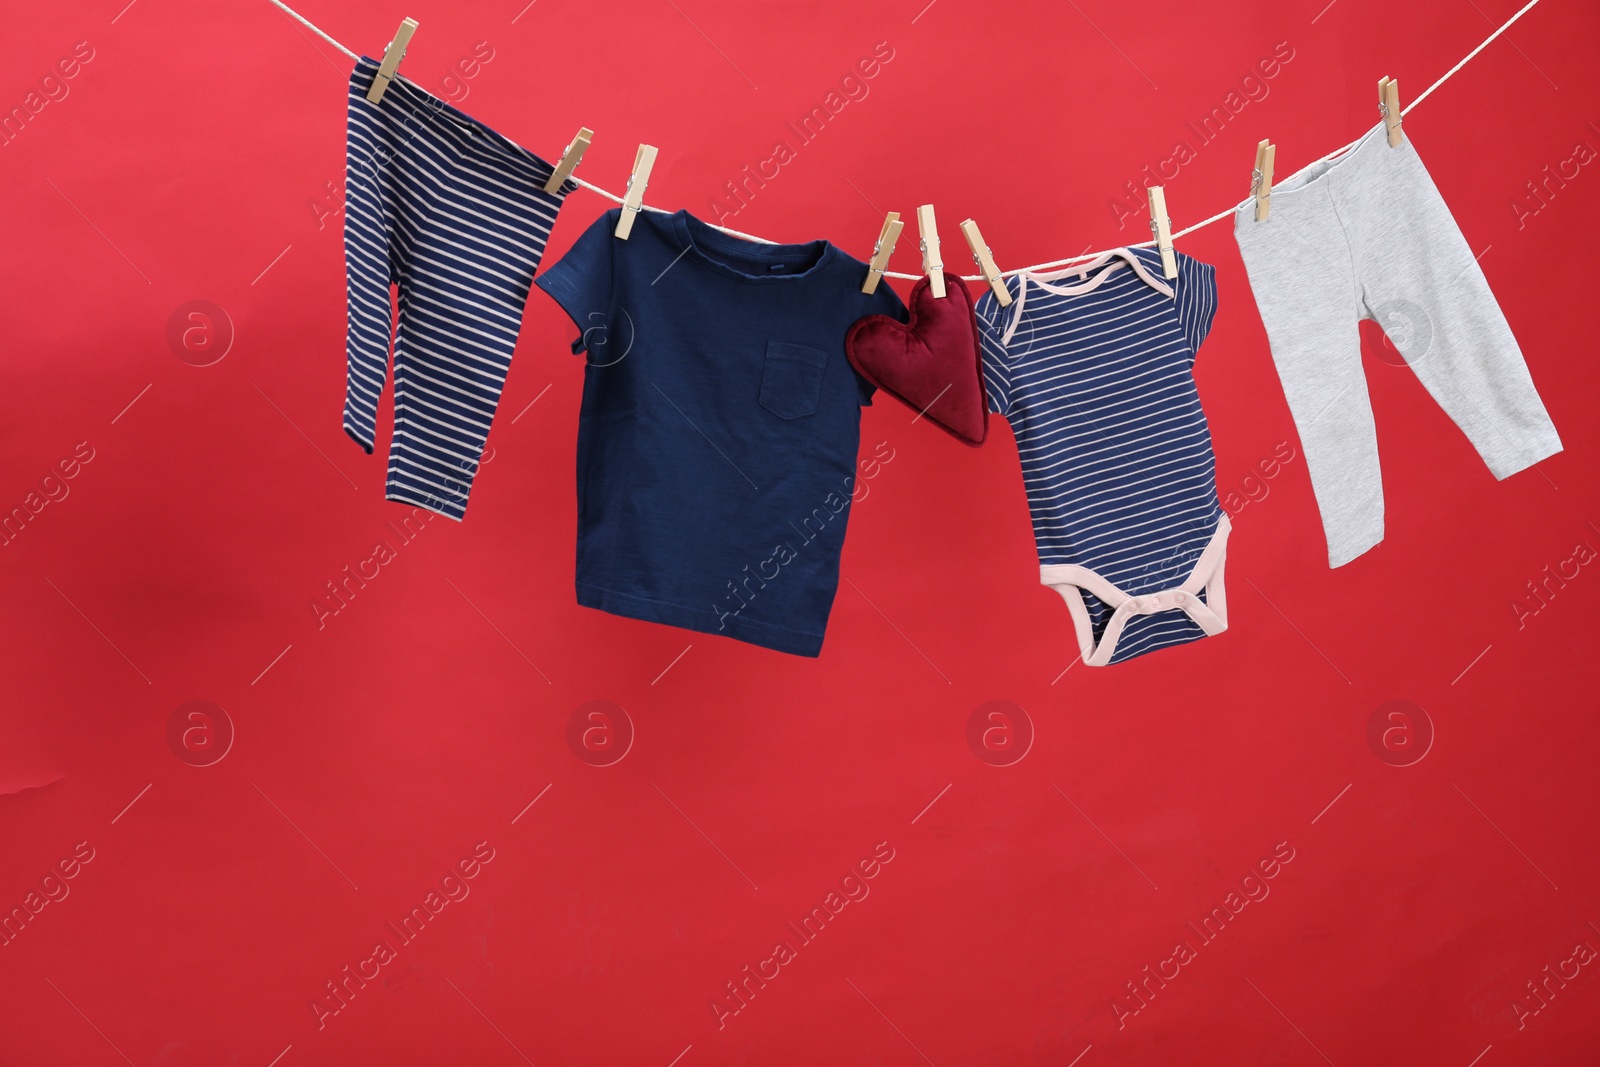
(1367, 236)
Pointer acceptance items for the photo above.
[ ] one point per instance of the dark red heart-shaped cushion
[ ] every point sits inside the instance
(931, 363)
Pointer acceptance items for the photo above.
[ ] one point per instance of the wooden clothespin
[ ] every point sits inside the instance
(570, 157)
(633, 202)
(1389, 107)
(985, 261)
(932, 265)
(1161, 226)
(882, 250)
(1261, 181)
(391, 60)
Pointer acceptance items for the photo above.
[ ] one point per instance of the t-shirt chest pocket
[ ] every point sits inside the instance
(791, 379)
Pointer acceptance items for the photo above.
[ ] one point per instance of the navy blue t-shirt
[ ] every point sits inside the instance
(717, 439)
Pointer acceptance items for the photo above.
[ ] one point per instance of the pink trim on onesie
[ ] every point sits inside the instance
(1210, 614)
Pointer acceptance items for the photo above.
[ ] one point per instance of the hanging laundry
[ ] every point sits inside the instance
(931, 363)
(720, 420)
(1096, 379)
(456, 216)
(1367, 236)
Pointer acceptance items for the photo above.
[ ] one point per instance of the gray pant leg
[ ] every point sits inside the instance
(1306, 292)
(1420, 281)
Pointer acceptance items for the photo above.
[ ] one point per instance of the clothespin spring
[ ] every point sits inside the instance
(1383, 112)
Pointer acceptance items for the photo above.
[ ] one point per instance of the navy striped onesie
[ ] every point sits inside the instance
(455, 215)
(1094, 371)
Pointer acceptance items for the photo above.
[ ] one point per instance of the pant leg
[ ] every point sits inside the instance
(466, 281)
(1304, 286)
(1421, 282)
(369, 243)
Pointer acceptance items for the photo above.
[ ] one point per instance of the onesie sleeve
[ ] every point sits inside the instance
(1195, 300)
(992, 342)
(581, 280)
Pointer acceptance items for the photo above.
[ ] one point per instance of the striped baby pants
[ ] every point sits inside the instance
(455, 216)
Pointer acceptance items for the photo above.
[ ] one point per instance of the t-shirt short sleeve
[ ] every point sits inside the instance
(1195, 300)
(996, 357)
(581, 280)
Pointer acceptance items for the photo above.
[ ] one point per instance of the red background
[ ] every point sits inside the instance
(372, 754)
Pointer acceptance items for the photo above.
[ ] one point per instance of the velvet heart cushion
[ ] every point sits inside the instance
(932, 362)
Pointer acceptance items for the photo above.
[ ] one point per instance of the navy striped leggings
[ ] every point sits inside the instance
(455, 215)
